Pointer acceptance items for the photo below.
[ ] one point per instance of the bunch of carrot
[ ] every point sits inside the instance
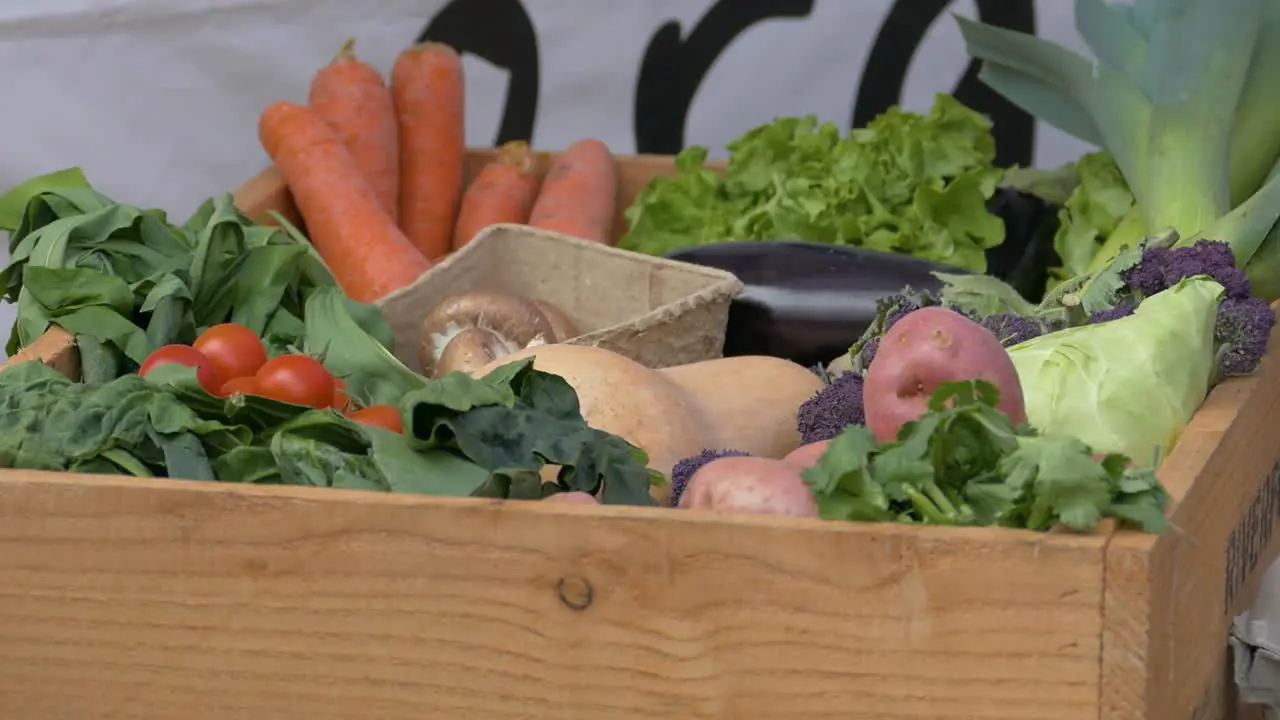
(377, 171)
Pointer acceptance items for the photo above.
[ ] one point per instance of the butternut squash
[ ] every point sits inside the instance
(752, 400)
(623, 397)
(743, 403)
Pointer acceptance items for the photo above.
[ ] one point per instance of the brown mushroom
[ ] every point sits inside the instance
(511, 321)
(561, 326)
(469, 351)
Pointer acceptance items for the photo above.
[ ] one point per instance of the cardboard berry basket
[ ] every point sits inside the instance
(158, 599)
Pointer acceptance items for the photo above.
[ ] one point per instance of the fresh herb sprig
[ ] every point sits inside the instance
(964, 463)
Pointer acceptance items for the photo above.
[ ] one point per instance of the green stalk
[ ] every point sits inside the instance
(1248, 225)
(1202, 50)
(925, 507)
(1263, 268)
(1255, 141)
(1129, 231)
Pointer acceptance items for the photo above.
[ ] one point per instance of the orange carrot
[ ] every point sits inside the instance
(365, 251)
(352, 98)
(503, 192)
(350, 95)
(426, 83)
(579, 194)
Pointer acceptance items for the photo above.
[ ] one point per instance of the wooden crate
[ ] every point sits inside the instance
(157, 599)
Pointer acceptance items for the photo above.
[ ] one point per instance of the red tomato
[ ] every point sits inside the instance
(242, 385)
(341, 400)
(235, 350)
(296, 379)
(206, 373)
(383, 416)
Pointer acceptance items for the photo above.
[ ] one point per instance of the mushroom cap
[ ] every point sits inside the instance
(513, 319)
(562, 327)
(468, 351)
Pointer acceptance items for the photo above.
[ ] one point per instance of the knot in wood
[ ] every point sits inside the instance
(575, 592)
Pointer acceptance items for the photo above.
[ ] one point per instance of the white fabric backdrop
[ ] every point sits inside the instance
(158, 100)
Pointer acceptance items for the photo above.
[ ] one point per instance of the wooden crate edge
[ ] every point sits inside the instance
(1169, 600)
(562, 607)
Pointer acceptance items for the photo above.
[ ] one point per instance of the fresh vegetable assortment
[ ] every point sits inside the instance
(222, 350)
(225, 350)
(438, 440)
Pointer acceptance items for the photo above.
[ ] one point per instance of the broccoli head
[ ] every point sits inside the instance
(831, 409)
(1161, 268)
(1241, 332)
(1012, 329)
(1123, 309)
(683, 471)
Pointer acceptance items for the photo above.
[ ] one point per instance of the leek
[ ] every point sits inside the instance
(1182, 94)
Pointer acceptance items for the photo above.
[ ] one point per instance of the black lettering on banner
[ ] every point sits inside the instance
(501, 32)
(1251, 535)
(900, 38)
(674, 67)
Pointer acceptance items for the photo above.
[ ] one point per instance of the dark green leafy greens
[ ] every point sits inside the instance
(125, 280)
(964, 463)
(482, 437)
(515, 420)
(906, 183)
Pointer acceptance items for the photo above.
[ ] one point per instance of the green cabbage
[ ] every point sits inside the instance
(1129, 385)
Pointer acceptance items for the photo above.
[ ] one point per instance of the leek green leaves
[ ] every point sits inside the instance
(1182, 93)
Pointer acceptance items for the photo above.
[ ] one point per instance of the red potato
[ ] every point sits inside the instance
(576, 497)
(926, 348)
(749, 485)
(806, 456)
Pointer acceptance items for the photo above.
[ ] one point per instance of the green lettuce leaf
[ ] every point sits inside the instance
(906, 183)
(1091, 212)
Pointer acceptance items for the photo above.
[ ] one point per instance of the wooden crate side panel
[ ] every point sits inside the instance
(153, 600)
(55, 348)
(1169, 601)
(267, 190)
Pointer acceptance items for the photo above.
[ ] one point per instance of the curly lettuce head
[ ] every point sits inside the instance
(1129, 385)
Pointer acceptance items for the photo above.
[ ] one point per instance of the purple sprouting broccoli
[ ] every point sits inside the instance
(683, 471)
(1161, 268)
(868, 352)
(891, 309)
(831, 409)
(1241, 332)
(1012, 329)
(1123, 309)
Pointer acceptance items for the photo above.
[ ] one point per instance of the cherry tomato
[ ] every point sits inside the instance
(341, 400)
(235, 350)
(296, 379)
(206, 373)
(242, 385)
(383, 416)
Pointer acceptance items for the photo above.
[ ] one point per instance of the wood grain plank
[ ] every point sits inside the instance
(142, 600)
(1169, 600)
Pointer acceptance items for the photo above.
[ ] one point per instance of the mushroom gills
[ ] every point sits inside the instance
(514, 323)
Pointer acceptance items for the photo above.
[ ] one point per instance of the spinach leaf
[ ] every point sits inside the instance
(372, 373)
(125, 281)
(517, 420)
